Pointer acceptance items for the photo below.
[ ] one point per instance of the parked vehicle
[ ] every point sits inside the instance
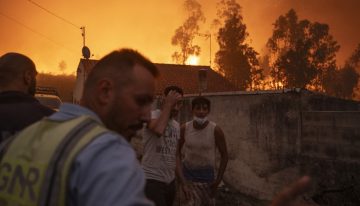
(48, 96)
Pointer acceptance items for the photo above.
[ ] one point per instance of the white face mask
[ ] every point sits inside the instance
(199, 120)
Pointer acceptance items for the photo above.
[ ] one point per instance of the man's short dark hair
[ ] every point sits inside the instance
(199, 101)
(117, 65)
(173, 87)
(12, 65)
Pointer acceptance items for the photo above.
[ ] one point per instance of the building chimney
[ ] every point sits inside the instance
(202, 80)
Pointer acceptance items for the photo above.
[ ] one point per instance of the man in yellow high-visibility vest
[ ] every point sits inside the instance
(81, 155)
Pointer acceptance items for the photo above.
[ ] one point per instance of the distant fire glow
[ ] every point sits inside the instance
(192, 60)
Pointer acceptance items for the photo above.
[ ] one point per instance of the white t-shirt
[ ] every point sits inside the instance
(159, 157)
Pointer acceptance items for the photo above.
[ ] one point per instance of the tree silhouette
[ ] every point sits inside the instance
(354, 60)
(343, 82)
(62, 65)
(301, 52)
(235, 58)
(185, 34)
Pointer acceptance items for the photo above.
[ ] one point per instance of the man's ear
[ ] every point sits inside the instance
(28, 77)
(105, 91)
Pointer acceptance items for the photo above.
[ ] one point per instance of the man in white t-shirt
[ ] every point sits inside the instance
(160, 142)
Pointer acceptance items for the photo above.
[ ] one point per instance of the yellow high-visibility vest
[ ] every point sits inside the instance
(34, 170)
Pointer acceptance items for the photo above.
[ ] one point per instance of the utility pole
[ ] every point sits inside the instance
(83, 34)
(85, 50)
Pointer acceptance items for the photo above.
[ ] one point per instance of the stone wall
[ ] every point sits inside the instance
(274, 138)
(330, 152)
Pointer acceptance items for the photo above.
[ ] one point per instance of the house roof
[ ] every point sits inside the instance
(184, 76)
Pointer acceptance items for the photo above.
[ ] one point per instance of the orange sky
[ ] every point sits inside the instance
(148, 25)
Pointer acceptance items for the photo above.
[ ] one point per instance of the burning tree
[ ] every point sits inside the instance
(303, 55)
(343, 82)
(235, 58)
(185, 34)
(301, 52)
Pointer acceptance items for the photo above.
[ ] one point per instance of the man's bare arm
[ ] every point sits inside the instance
(157, 126)
(179, 171)
(220, 143)
(288, 196)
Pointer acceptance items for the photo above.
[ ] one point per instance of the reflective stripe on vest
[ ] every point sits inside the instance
(35, 168)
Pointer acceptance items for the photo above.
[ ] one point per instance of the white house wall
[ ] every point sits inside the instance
(79, 84)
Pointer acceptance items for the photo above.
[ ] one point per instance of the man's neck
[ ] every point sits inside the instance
(14, 87)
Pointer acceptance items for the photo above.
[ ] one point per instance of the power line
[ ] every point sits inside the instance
(52, 13)
(36, 32)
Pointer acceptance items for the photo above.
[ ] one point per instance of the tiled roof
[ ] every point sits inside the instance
(184, 76)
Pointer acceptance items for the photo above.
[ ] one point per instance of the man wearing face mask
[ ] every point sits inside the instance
(18, 106)
(160, 142)
(199, 140)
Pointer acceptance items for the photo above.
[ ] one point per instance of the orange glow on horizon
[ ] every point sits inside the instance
(192, 60)
(148, 26)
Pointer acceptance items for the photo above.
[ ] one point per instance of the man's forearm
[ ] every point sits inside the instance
(179, 173)
(158, 126)
(222, 168)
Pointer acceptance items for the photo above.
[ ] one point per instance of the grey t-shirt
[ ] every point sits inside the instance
(159, 152)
